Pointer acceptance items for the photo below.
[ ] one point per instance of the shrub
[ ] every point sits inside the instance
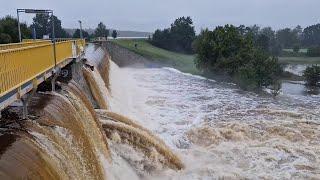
(296, 48)
(314, 52)
(312, 75)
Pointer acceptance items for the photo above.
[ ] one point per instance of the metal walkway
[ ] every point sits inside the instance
(23, 66)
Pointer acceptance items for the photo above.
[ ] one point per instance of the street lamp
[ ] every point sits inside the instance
(81, 36)
(40, 11)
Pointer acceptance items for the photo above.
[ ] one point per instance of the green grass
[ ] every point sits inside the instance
(299, 60)
(182, 62)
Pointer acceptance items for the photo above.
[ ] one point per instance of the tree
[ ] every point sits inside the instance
(43, 26)
(101, 31)
(296, 48)
(216, 50)
(178, 37)
(58, 30)
(85, 34)
(114, 34)
(162, 39)
(274, 47)
(298, 31)
(287, 37)
(263, 42)
(311, 36)
(9, 30)
(233, 50)
(183, 33)
(312, 75)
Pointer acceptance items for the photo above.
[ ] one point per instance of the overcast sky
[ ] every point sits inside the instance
(148, 15)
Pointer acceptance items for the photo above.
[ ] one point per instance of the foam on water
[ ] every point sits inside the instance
(187, 74)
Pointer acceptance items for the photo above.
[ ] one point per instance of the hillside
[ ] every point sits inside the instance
(183, 62)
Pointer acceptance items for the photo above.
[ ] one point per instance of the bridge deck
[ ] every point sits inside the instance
(25, 65)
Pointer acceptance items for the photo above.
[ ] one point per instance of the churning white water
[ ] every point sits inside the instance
(218, 130)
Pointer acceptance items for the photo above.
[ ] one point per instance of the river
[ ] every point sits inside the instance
(218, 130)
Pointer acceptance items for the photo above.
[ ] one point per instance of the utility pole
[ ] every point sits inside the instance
(81, 36)
(20, 39)
(53, 41)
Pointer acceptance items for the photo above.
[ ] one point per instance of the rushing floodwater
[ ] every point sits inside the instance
(218, 130)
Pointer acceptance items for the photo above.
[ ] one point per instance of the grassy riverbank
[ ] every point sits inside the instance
(182, 62)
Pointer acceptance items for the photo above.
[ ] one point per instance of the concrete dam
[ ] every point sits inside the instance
(117, 115)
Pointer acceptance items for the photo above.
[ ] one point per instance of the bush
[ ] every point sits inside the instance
(314, 52)
(296, 48)
(312, 75)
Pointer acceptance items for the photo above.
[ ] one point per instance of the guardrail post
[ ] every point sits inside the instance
(25, 102)
(54, 78)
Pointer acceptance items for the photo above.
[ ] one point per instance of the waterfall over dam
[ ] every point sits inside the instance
(73, 133)
(133, 122)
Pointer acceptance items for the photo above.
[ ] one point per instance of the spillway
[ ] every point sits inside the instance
(67, 137)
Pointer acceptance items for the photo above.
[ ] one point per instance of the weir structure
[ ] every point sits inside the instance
(25, 65)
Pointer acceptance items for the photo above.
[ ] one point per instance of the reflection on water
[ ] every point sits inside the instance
(222, 132)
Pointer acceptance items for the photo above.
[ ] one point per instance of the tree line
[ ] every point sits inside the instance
(41, 26)
(181, 34)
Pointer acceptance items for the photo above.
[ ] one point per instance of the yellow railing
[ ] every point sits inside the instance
(34, 40)
(23, 44)
(21, 65)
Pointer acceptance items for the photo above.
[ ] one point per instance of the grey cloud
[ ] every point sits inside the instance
(147, 15)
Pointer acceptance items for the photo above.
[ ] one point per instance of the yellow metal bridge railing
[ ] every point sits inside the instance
(20, 65)
(23, 44)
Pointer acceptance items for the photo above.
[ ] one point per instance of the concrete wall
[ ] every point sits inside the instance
(124, 57)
